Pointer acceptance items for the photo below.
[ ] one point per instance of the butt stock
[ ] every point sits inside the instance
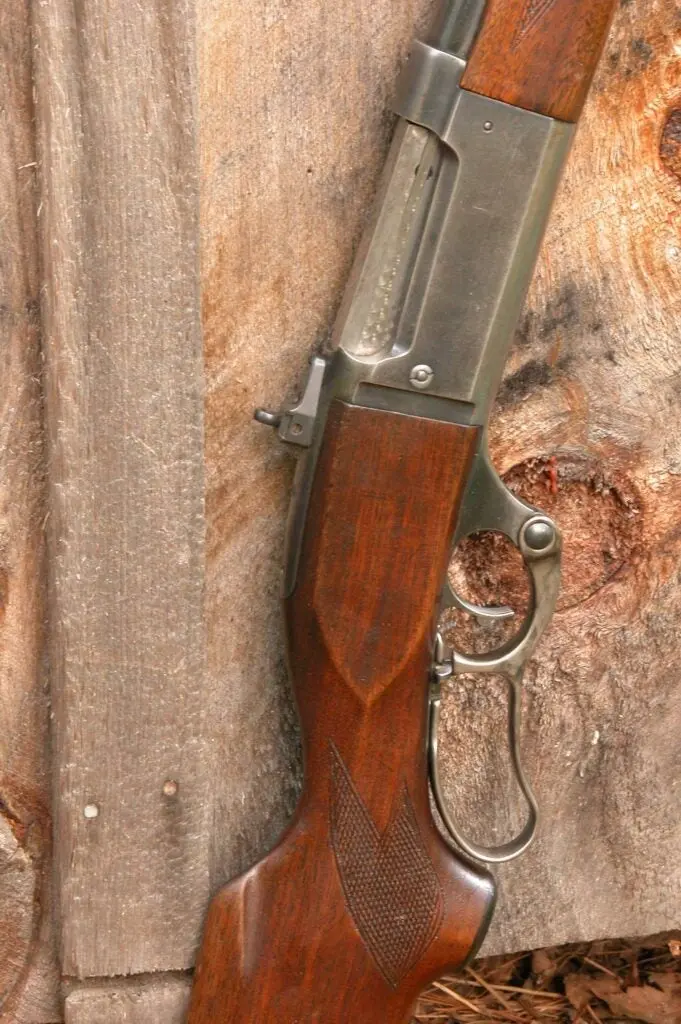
(362, 902)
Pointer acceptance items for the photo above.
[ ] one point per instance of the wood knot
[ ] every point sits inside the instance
(19, 886)
(670, 144)
(599, 514)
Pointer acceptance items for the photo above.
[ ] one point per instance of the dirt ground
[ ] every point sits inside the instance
(617, 981)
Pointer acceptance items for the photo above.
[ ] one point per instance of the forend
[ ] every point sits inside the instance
(364, 899)
(539, 54)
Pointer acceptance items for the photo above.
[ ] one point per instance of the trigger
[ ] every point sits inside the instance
(450, 599)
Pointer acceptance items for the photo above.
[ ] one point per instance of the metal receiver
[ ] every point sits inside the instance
(426, 323)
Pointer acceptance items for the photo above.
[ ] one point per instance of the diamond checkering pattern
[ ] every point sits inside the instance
(391, 889)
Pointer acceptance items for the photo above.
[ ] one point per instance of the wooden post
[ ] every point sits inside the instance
(119, 222)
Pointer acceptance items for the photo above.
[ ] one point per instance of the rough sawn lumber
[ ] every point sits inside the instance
(124, 408)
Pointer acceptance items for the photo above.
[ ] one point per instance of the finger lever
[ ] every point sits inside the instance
(494, 507)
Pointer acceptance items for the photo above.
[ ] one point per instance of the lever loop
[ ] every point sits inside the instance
(489, 505)
(512, 849)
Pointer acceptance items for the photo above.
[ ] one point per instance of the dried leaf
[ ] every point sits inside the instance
(578, 989)
(639, 1002)
(544, 968)
(613, 981)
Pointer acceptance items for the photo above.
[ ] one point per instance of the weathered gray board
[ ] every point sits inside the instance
(147, 1001)
(123, 392)
(294, 130)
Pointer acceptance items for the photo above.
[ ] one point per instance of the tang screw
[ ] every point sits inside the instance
(421, 376)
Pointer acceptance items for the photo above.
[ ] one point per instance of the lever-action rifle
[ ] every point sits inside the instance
(363, 901)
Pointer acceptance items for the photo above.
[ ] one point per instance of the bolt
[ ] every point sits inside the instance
(421, 376)
(540, 535)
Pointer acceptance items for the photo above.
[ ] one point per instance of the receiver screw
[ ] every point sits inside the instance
(539, 535)
(421, 376)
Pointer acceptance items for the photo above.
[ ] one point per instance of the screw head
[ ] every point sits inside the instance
(540, 535)
(421, 376)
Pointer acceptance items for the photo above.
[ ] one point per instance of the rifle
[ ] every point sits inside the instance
(364, 900)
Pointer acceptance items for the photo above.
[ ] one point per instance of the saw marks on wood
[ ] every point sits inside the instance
(150, 1000)
(124, 411)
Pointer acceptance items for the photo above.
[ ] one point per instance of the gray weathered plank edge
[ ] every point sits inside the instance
(124, 405)
(147, 1001)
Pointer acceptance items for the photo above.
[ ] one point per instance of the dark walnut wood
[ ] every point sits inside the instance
(362, 902)
(539, 54)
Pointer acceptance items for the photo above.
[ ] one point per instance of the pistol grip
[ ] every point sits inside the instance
(361, 903)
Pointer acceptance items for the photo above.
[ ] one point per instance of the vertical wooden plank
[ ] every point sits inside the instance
(293, 134)
(151, 1001)
(116, 117)
(28, 983)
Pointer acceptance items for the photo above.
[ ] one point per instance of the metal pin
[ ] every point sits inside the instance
(421, 376)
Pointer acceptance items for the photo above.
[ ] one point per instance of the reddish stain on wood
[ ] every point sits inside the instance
(362, 902)
(539, 54)
(670, 145)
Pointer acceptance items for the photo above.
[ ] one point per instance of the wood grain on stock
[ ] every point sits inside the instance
(539, 54)
(361, 903)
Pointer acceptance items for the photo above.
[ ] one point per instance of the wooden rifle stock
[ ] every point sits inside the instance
(362, 902)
